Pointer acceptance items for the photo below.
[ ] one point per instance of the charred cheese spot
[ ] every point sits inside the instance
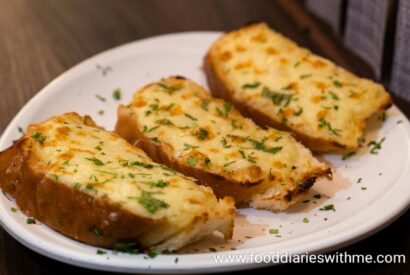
(240, 49)
(225, 56)
(139, 102)
(260, 37)
(271, 51)
(244, 65)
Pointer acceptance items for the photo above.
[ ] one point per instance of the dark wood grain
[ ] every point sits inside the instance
(41, 39)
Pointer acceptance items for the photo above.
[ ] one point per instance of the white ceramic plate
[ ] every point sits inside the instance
(361, 208)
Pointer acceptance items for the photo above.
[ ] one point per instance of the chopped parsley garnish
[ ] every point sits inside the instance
(95, 161)
(159, 183)
(170, 89)
(176, 260)
(163, 167)
(154, 139)
(337, 84)
(153, 107)
(399, 121)
(202, 134)
(207, 162)
(116, 94)
(190, 117)
(273, 231)
(234, 125)
(30, 221)
(277, 98)
(359, 180)
(348, 155)
(376, 146)
(324, 123)
(14, 210)
(103, 99)
(141, 164)
(219, 111)
(131, 248)
(152, 254)
(101, 252)
(151, 204)
(163, 121)
(305, 220)
(364, 188)
(189, 146)
(229, 163)
(147, 130)
(260, 145)
(254, 85)
(249, 157)
(299, 112)
(90, 186)
(98, 233)
(104, 69)
(191, 161)
(317, 196)
(204, 106)
(333, 95)
(296, 64)
(227, 108)
(39, 137)
(329, 207)
(303, 76)
(21, 131)
(225, 143)
(98, 147)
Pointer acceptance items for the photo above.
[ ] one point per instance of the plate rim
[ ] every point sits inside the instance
(344, 239)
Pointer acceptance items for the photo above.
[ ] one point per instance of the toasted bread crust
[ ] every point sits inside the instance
(102, 220)
(66, 210)
(220, 88)
(128, 128)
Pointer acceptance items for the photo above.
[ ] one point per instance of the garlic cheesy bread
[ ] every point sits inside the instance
(178, 123)
(279, 84)
(95, 187)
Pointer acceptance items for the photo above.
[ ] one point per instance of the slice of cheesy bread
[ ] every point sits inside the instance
(95, 187)
(178, 123)
(279, 84)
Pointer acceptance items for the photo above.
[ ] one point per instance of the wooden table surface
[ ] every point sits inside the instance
(41, 39)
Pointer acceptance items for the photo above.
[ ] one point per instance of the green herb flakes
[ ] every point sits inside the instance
(254, 85)
(30, 221)
(376, 146)
(329, 207)
(95, 161)
(116, 94)
(39, 137)
(131, 248)
(151, 204)
(191, 161)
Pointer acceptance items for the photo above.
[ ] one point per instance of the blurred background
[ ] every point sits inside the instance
(40, 39)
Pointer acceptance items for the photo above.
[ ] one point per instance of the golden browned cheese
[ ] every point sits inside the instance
(279, 84)
(178, 123)
(94, 186)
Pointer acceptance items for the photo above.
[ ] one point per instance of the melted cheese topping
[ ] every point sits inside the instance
(210, 134)
(105, 166)
(289, 84)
